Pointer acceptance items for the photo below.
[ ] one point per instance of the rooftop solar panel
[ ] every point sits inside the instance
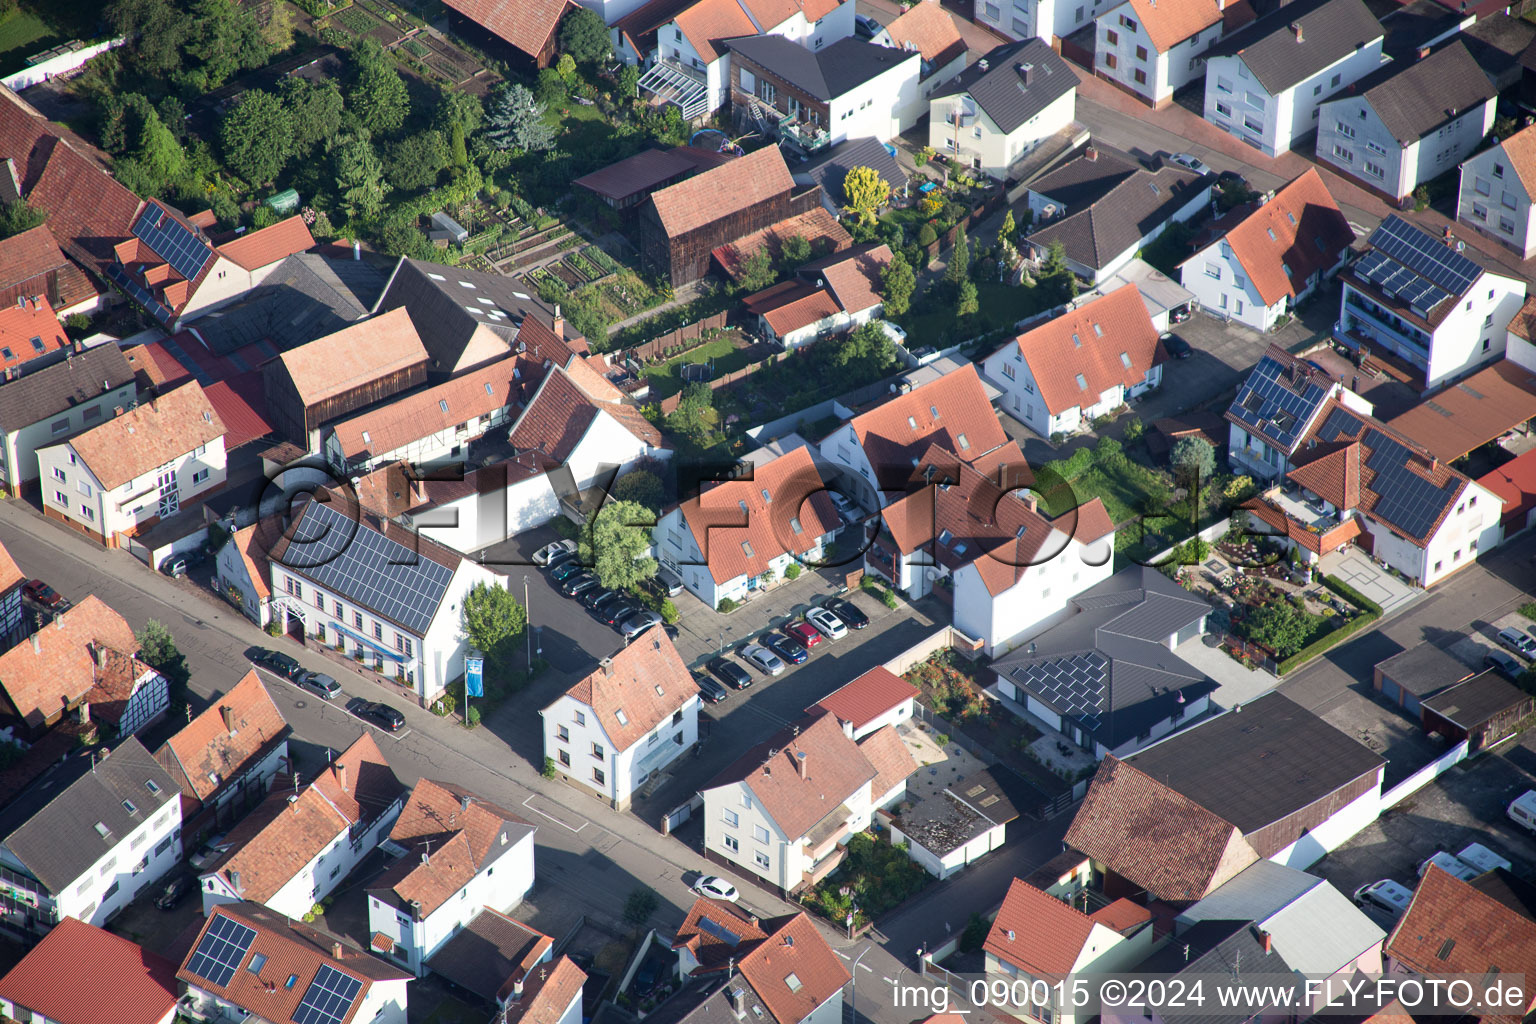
(720, 932)
(374, 571)
(139, 294)
(329, 998)
(224, 945)
(173, 242)
(1425, 255)
(1404, 498)
(1277, 409)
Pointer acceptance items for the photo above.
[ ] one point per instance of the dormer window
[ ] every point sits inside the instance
(945, 536)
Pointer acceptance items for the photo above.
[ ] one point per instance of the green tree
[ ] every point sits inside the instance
(865, 352)
(458, 152)
(492, 620)
(415, 161)
(757, 272)
(691, 417)
(640, 905)
(457, 108)
(1005, 233)
(1279, 626)
(926, 235)
(377, 96)
(157, 30)
(641, 487)
(399, 236)
(584, 37)
(1108, 451)
(225, 39)
(516, 121)
(1194, 458)
(1056, 272)
(959, 267)
(277, 33)
(897, 282)
(257, 137)
(615, 544)
(566, 68)
(794, 251)
(629, 81)
(359, 177)
(864, 192)
(550, 90)
(173, 114)
(966, 300)
(157, 649)
(315, 111)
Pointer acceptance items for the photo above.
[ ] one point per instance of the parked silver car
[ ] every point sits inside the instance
(762, 659)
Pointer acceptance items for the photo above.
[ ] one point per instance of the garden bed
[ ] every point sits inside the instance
(873, 879)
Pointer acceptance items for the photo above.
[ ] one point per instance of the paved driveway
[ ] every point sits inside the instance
(1371, 580)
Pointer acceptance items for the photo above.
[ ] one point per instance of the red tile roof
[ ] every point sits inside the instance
(289, 948)
(1520, 148)
(1471, 412)
(1107, 342)
(28, 330)
(117, 678)
(817, 226)
(27, 260)
(855, 281)
(794, 950)
(53, 670)
(706, 22)
(835, 769)
(700, 933)
(639, 27)
(238, 400)
(354, 355)
(253, 554)
(722, 191)
(1454, 928)
(1122, 916)
(258, 249)
(1515, 484)
(930, 30)
(159, 431)
(739, 531)
(867, 697)
(525, 24)
(888, 755)
(953, 412)
(1156, 837)
(411, 417)
(547, 991)
(48, 981)
(1173, 21)
(638, 688)
(10, 573)
(153, 365)
(802, 312)
(229, 738)
(561, 413)
(1038, 933)
(1298, 233)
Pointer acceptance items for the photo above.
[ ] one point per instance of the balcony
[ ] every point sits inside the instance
(809, 137)
(1313, 514)
(1363, 317)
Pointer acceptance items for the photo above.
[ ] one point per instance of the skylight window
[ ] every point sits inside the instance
(912, 422)
(7, 353)
(442, 403)
(488, 390)
(466, 284)
(743, 505)
(485, 302)
(659, 691)
(366, 438)
(1290, 216)
(1125, 360)
(37, 344)
(291, 979)
(934, 411)
(793, 981)
(258, 961)
(945, 536)
(960, 548)
(1271, 233)
(1082, 382)
(437, 277)
(102, 830)
(963, 441)
(794, 524)
(621, 716)
(1076, 341)
(746, 548)
(520, 295)
(473, 309)
(767, 498)
(1098, 331)
(129, 807)
(152, 786)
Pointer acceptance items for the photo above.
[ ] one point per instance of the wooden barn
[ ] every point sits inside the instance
(342, 373)
(523, 32)
(1483, 711)
(682, 225)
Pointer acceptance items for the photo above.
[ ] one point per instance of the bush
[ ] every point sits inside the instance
(889, 599)
(640, 905)
(274, 628)
(1321, 644)
(792, 571)
(725, 605)
(926, 236)
(668, 611)
(1529, 610)
(1134, 429)
(975, 934)
(473, 716)
(77, 323)
(1354, 596)
(1108, 452)
(444, 705)
(549, 770)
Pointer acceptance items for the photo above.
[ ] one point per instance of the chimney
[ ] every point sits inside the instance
(228, 714)
(517, 989)
(78, 346)
(234, 880)
(464, 803)
(1221, 5)
(37, 645)
(426, 859)
(357, 249)
(1434, 463)
(1029, 500)
(335, 950)
(98, 655)
(1296, 27)
(559, 323)
(1090, 154)
(1027, 73)
(800, 762)
(341, 776)
(85, 713)
(1265, 938)
(752, 919)
(738, 999)
(117, 410)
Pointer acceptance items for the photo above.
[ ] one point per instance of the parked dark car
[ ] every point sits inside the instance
(785, 648)
(1506, 665)
(670, 581)
(849, 612)
(565, 570)
(381, 715)
(615, 612)
(276, 662)
(730, 673)
(600, 595)
(173, 891)
(42, 593)
(1177, 347)
(710, 690)
(578, 585)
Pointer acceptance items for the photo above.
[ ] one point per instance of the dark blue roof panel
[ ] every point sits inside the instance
(1278, 400)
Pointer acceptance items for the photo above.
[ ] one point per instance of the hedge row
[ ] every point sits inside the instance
(1344, 632)
(1350, 594)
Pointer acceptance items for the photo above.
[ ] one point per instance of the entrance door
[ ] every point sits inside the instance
(170, 497)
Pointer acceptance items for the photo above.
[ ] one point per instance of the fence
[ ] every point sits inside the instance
(941, 639)
(671, 402)
(55, 66)
(996, 201)
(675, 342)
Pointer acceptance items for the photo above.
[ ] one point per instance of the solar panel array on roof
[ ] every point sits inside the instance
(173, 242)
(224, 945)
(1074, 685)
(719, 931)
(1396, 281)
(1403, 498)
(373, 570)
(1414, 267)
(138, 293)
(1275, 407)
(329, 998)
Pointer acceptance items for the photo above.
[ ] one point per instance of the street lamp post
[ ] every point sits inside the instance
(527, 625)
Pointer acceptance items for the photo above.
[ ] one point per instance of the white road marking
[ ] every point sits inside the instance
(551, 817)
(888, 981)
(840, 953)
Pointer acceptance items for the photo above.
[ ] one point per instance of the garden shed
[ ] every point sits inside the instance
(1483, 711)
(1420, 672)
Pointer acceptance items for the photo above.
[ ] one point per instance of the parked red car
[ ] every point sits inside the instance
(807, 635)
(42, 593)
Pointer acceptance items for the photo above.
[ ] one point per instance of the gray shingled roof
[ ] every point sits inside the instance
(1107, 667)
(996, 82)
(51, 827)
(830, 168)
(1231, 950)
(1085, 179)
(307, 297)
(441, 310)
(1330, 31)
(1413, 99)
(62, 386)
(1136, 207)
(825, 73)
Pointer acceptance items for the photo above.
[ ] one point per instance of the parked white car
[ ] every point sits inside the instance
(716, 888)
(549, 552)
(829, 624)
(762, 659)
(1450, 863)
(1385, 895)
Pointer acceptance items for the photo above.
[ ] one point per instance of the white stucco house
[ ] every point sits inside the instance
(927, 28)
(999, 109)
(482, 507)
(251, 962)
(785, 809)
(136, 468)
(1266, 82)
(1408, 122)
(1272, 256)
(1048, 20)
(1275, 410)
(240, 567)
(1497, 195)
(41, 405)
(1059, 377)
(637, 712)
(389, 597)
(1427, 300)
(447, 845)
(1151, 49)
(294, 849)
(869, 703)
(828, 296)
(738, 536)
(87, 837)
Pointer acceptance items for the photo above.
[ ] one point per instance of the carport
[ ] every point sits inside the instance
(1164, 297)
(1472, 412)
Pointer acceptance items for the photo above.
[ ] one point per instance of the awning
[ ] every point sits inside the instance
(392, 655)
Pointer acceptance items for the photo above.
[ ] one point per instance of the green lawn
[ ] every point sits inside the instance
(934, 323)
(585, 127)
(666, 378)
(20, 29)
(1127, 492)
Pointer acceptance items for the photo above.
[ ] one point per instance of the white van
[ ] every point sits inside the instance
(1522, 811)
(1483, 859)
(1450, 863)
(1385, 895)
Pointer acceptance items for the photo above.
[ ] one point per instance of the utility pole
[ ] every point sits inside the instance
(528, 625)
